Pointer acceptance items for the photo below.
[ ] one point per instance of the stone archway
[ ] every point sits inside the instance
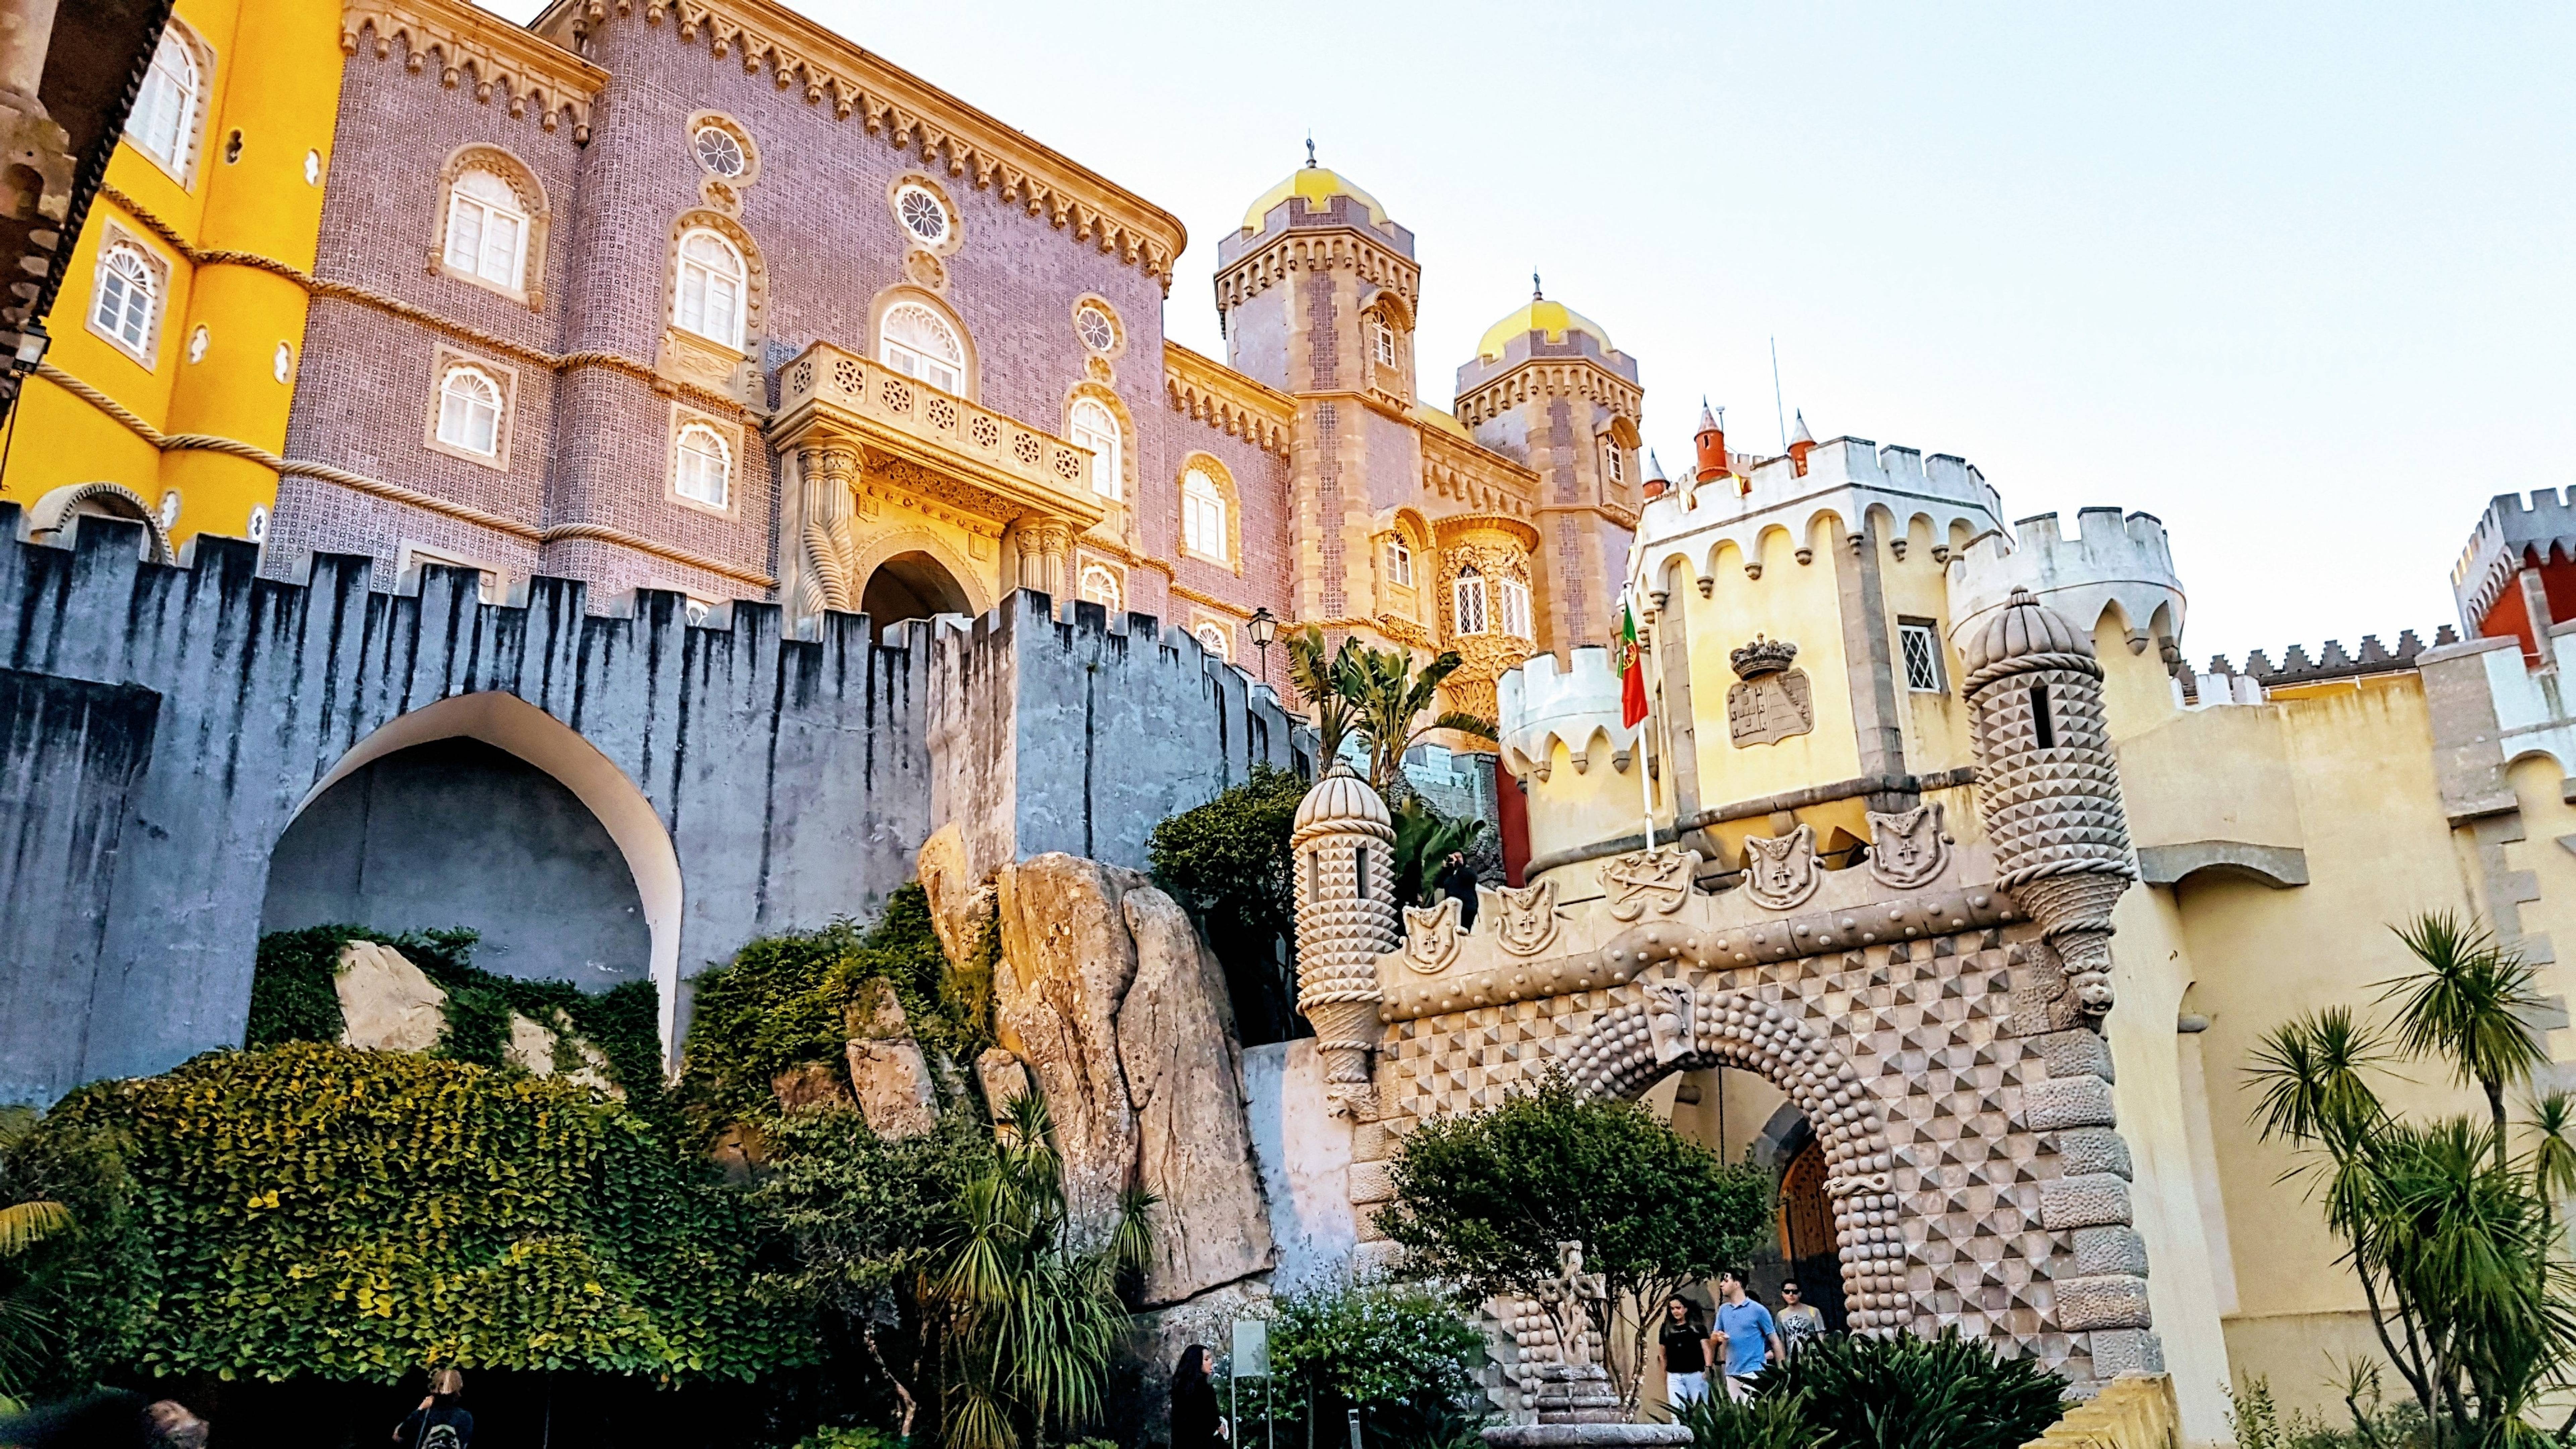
(1676, 1027)
(912, 584)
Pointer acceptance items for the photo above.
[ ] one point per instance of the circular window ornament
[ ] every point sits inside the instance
(1098, 332)
(719, 152)
(923, 214)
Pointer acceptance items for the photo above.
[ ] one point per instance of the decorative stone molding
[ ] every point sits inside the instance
(1226, 400)
(1579, 378)
(1431, 935)
(529, 74)
(911, 116)
(1476, 480)
(1908, 850)
(1650, 880)
(1339, 250)
(523, 183)
(1781, 874)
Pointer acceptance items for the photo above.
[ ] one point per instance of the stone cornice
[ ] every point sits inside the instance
(1224, 399)
(1624, 517)
(1578, 377)
(1476, 478)
(911, 114)
(1308, 251)
(526, 72)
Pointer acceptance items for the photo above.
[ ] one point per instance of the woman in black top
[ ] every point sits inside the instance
(1195, 1421)
(1685, 1352)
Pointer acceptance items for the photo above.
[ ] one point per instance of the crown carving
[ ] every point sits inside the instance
(1763, 656)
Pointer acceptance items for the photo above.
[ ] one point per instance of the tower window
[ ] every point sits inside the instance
(1359, 859)
(1383, 337)
(1922, 649)
(2040, 724)
(704, 466)
(1467, 601)
(923, 214)
(469, 411)
(1514, 597)
(126, 306)
(165, 110)
(1618, 464)
(1211, 637)
(1092, 425)
(487, 229)
(1399, 563)
(720, 152)
(1202, 515)
(709, 302)
(1100, 586)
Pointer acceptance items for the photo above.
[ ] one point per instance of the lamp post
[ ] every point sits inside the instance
(1263, 627)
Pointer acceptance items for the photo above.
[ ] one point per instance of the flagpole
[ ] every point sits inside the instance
(1645, 731)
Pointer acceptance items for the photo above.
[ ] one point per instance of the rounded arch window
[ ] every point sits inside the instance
(1098, 332)
(469, 411)
(710, 296)
(705, 465)
(165, 110)
(1092, 425)
(923, 214)
(1212, 638)
(1202, 514)
(720, 151)
(128, 296)
(918, 342)
(1467, 601)
(487, 228)
(1100, 586)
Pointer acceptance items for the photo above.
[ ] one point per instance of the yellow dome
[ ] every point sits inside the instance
(1553, 318)
(1318, 186)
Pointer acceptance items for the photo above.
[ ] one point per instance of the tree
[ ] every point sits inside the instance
(1377, 695)
(2451, 1240)
(1228, 863)
(1031, 1321)
(1400, 1353)
(1482, 1201)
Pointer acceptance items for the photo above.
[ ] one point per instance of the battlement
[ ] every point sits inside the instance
(1541, 704)
(2111, 559)
(2223, 683)
(1848, 478)
(2510, 527)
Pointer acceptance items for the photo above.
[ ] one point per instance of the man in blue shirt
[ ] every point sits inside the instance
(1752, 1339)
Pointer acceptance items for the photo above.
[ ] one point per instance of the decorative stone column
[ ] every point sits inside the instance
(2050, 787)
(1344, 842)
(830, 475)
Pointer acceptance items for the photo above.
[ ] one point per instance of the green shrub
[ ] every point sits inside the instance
(1227, 862)
(1403, 1354)
(1906, 1392)
(1718, 1422)
(311, 1209)
(829, 1437)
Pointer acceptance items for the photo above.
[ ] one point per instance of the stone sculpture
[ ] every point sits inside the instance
(1780, 874)
(2051, 788)
(1568, 1298)
(1344, 843)
(1431, 935)
(1908, 849)
(1660, 879)
(1770, 701)
(1526, 919)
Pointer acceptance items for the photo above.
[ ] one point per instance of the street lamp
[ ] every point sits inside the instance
(1263, 627)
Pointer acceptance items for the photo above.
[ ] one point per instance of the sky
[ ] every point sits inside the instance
(2300, 280)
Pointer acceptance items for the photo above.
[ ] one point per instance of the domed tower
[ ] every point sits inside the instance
(1548, 388)
(1344, 844)
(2048, 786)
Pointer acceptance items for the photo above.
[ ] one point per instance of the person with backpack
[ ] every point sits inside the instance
(441, 1421)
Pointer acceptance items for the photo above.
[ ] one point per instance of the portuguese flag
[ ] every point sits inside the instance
(1632, 669)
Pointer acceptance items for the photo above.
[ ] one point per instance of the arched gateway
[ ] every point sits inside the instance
(1933, 1013)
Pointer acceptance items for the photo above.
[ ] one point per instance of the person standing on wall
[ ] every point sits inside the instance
(441, 1421)
(1683, 1345)
(1195, 1422)
(1752, 1339)
(1458, 882)
(1801, 1322)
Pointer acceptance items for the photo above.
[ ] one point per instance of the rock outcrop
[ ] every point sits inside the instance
(887, 1069)
(1066, 964)
(386, 1004)
(1185, 1081)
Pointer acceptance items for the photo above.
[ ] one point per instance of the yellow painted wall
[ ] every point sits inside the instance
(275, 79)
(1792, 601)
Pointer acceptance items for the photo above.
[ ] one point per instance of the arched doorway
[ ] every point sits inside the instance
(485, 811)
(911, 585)
(1742, 1115)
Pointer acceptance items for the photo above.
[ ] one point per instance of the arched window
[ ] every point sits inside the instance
(705, 465)
(918, 342)
(1515, 599)
(1213, 639)
(1467, 599)
(1100, 586)
(1202, 515)
(1382, 337)
(1618, 464)
(711, 287)
(165, 110)
(1399, 562)
(469, 411)
(1092, 425)
(487, 229)
(127, 297)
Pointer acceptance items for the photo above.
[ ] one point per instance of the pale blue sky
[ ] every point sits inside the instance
(2301, 281)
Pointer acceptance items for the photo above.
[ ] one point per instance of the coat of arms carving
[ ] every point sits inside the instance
(1908, 849)
(1770, 701)
(1657, 878)
(1526, 918)
(1431, 936)
(1781, 873)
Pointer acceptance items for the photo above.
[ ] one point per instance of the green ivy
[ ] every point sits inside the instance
(292, 998)
(313, 1209)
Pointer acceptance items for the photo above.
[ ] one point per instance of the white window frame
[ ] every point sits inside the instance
(903, 215)
(1618, 464)
(1091, 423)
(479, 264)
(150, 276)
(1467, 603)
(169, 101)
(687, 427)
(1216, 639)
(698, 146)
(705, 278)
(1110, 584)
(1514, 596)
(454, 382)
(1203, 515)
(908, 358)
(1399, 562)
(1383, 338)
(1930, 677)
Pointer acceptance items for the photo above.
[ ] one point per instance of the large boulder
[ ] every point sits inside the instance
(386, 1004)
(887, 1069)
(1067, 961)
(959, 903)
(1184, 1080)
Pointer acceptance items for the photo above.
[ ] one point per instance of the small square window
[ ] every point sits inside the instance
(1921, 645)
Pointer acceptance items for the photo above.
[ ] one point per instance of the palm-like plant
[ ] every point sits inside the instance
(1325, 682)
(1033, 1318)
(2470, 1005)
(1378, 695)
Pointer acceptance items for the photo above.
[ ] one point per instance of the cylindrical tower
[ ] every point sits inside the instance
(1345, 849)
(2048, 786)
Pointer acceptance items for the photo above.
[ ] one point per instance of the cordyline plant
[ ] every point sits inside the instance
(1377, 695)
(2446, 1227)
